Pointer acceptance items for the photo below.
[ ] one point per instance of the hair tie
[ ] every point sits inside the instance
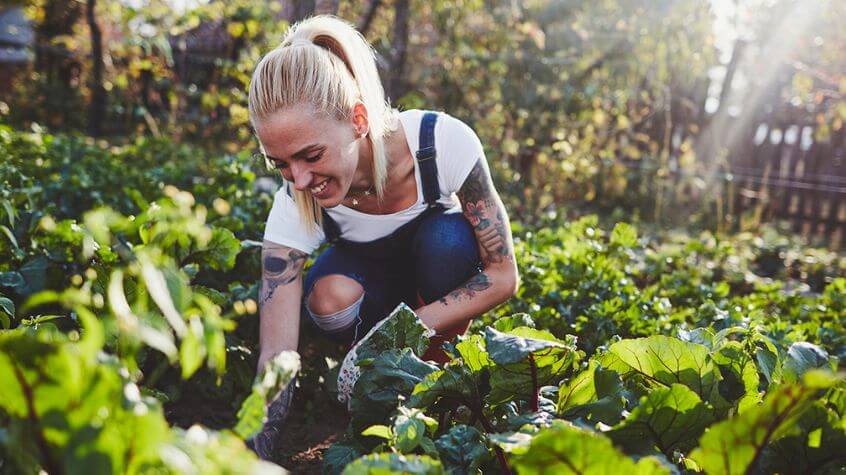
(300, 42)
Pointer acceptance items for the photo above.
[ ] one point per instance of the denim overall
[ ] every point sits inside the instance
(420, 262)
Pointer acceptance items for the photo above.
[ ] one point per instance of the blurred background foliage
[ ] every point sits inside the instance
(634, 106)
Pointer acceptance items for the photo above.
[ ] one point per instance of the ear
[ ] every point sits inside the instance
(361, 124)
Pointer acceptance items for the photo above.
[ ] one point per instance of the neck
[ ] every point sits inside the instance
(363, 178)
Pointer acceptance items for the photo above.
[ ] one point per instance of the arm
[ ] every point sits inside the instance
(499, 279)
(279, 299)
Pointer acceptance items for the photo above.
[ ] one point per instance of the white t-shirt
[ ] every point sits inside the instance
(458, 150)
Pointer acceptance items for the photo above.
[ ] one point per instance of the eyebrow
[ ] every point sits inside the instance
(299, 154)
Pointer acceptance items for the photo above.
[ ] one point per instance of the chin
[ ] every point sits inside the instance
(329, 202)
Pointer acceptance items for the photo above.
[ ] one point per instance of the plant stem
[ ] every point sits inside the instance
(535, 389)
(51, 465)
(503, 461)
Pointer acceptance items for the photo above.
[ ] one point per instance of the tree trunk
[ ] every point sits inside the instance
(369, 15)
(293, 11)
(97, 106)
(55, 62)
(397, 85)
(326, 7)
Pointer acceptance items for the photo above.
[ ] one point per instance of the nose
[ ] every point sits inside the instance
(301, 175)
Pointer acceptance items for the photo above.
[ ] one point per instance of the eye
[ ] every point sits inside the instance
(314, 158)
(280, 165)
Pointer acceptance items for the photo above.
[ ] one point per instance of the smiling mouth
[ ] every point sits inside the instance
(319, 188)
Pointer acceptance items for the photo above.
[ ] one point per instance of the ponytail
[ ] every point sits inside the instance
(324, 61)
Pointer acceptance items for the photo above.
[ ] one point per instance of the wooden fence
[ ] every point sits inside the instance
(784, 173)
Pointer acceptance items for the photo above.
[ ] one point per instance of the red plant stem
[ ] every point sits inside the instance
(535, 389)
(50, 464)
(476, 409)
(503, 461)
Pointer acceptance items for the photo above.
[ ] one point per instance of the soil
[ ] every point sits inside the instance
(313, 426)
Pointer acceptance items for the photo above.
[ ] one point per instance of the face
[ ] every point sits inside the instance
(318, 154)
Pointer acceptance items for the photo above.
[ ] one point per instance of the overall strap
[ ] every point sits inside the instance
(330, 228)
(428, 173)
(426, 159)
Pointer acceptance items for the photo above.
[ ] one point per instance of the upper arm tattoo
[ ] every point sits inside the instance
(280, 266)
(484, 211)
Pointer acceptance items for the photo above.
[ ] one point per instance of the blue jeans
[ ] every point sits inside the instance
(434, 254)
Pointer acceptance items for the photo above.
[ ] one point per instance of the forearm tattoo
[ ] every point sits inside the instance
(280, 266)
(485, 213)
(468, 290)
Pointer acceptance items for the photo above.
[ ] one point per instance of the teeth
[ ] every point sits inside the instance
(317, 189)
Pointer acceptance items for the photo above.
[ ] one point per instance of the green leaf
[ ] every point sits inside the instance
(462, 450)
(340, 455)
(7, 312)
(390, 376)
(473, 353)
(513, 347)
(735, 446)
(740, 378)
(191, 351)
(410, 428)
(624, 235)
(277, 374)
(220, 252)
(453, 383)
(596, 394)
(505, 324)
(802, 357)
(378, 430)
(402, 329)
(668, 419)
(12, 280)
(514, 354)
(816, 447)
(565, 449)
(662, 361)
(388, 464)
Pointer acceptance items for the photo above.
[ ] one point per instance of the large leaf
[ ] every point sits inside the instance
(668, 419)
(388, 464)
(736, 445)
(390, 376)
(661, 361)
(518, 344)
(802, 357)
(402, 329)
(277, 374)
(454, 385)
(220, 252)
(7, 312)
(565, 449)
(740, 380)
(526, 359)
(505, 324)
(462, 450)
(473, 354)
(817, 446)
(596, 394)
(341, 454)
(411, 427)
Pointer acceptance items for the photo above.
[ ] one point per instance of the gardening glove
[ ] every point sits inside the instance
(349, 372)
(267, 443)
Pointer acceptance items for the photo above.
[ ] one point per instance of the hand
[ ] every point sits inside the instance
(266, 443)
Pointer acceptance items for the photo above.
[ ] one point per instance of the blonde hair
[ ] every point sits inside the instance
(324, 61)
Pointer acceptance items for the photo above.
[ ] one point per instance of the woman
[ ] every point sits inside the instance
(379, 185)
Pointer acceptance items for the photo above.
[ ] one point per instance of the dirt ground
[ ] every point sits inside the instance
(311, 430)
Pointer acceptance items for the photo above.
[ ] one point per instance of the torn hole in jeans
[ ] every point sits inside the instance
(338, 321)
